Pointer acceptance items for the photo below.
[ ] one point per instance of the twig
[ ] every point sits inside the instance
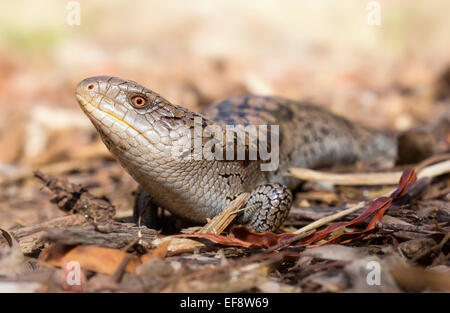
(330, 218)
(29, 237)
(74, 198)
(116, 277)
(218, 224)
(365, 179)
(434, 170)
(371, 179)
(432, 249)
(114, 235)
(431, 160)
(402, 227)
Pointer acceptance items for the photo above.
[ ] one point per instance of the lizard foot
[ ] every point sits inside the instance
(268, 206)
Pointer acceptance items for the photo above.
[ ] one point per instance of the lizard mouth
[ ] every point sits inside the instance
(94, 111)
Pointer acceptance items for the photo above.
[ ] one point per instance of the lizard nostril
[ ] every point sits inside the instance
(90, 86)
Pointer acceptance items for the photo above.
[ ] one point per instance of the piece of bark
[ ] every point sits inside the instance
(114, 235)
(409, 235)
(75, 198)
(425, 229)
(30, 238)
(413, 247)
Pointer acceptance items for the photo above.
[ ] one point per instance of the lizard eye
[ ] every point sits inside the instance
(138, 102)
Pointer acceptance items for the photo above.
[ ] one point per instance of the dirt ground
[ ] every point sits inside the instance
(393, 76)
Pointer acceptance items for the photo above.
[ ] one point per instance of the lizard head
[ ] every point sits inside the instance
(153, 140)
(136, 123)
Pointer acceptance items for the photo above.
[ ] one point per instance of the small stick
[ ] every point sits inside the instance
(432, 249)
(367, 179)
(218, 224)
(330, 218)
(402, 227)
(356, 179)
(435, 170)
(431, 160)
(116, 277)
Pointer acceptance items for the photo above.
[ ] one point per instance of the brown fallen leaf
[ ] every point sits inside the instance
(179, 245)
(159, 252)
(93, 258)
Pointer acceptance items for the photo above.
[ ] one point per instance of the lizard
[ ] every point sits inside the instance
(151, 137)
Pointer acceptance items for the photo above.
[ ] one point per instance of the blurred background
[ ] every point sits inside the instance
(394, 75)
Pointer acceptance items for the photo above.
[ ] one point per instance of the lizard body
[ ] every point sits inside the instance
(151, 137)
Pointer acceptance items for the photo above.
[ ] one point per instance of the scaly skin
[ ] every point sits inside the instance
(143, 139)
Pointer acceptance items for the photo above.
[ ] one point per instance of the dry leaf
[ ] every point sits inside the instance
(178, 244)
(93, 258)
(159, 252)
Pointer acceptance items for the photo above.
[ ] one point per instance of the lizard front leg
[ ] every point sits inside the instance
(145, 212)
(267, 207)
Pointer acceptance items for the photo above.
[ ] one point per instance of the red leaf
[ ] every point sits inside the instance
(267, 239)
(407, 179)
(376, 208)
(223, 240)
(244, 237)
